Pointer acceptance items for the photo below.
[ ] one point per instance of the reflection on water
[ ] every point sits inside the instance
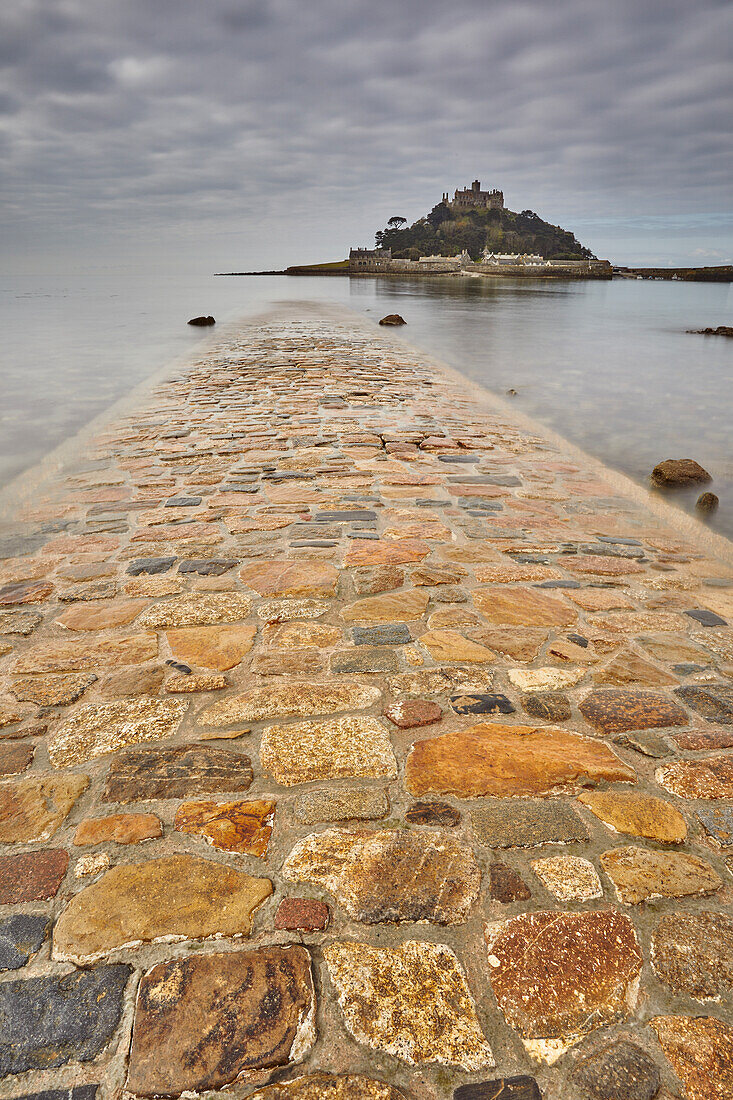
(607, 364)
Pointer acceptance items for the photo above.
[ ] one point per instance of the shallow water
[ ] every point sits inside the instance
(606, 364)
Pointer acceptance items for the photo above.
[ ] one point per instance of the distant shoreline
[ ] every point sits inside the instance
(721, 274)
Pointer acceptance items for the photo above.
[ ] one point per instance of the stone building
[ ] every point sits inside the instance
(370, 259)
(474, 198)
(527, 259)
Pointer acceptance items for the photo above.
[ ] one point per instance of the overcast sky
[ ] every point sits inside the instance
(231, 134)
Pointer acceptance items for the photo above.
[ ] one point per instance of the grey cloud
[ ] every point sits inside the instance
(305, 123)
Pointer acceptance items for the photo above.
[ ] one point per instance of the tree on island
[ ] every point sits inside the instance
(396, 222)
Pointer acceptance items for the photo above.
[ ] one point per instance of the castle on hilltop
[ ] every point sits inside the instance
(474, 198)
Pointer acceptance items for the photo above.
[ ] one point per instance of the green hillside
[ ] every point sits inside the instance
(447, 232)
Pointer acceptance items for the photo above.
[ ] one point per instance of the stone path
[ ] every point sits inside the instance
(358, 744)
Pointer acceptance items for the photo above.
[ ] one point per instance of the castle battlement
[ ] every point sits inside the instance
(474, 198)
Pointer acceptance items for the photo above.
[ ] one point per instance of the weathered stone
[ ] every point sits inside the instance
(291, 578)
(382, 552)
(188, 684)
(206, 1021)
(102, 615)
(207, 567)
(481, 702)
(713, 701)
(296, 635)
(380, 578)
(390, 875)
(412, 714)
(455, 618)
(92, 864)
(569, 878)
(31, 809)
(704, 739)
(642, 873)
(149, 565)
(176, 772)
(178, 897)
(693, 953)
(197, 610)
(614, 710)
(288, 662)
(282, 611)
(629, 668)
(441, 681)
(14, 759)
(501, 1088)
(292, 700)
(700, 1050)
(498, 760)
(19, 622)
(302, 915)
(384, 634)
(645, 742)
(339, 748)
(558, 976)
(25, 592)
(602, 566)
(32, 876)
(522, 607)
(434, 574)
(412, 1002)
(218, 647)
(637, 815)
(21, 935)
(388, 608)
(449, 645)
(118, 828)
(322, 1086)
(509, 823)
(545, 679)
(709, 778)
(366, 659)
(521, 644)
(53, 690)
(98, 730)
(50, 1021)
(432, 813)
(244, 826)
(350, 803)
(78, 1092)
(505, 885)
(79, 655)
(619, 1071)
(718, 823)
(550, 705)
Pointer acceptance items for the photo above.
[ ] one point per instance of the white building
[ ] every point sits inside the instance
(512, 258)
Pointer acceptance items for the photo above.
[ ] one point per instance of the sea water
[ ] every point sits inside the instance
(607, 364)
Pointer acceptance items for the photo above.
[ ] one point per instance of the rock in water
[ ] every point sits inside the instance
(679, 471)
(393, 319)
(707, 503)
(202, 322)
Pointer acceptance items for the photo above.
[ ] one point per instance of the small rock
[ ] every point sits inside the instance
(411, 1001)
(202, 322)
(32, 876)
(244, 826)
(637, 815)
(569, 878)
(552, 706)
(707, 503)
(411, 714)
(693, 953)
(620, 1071)
(92, 864)
(482, 702)
(393, 319)
(176, 772)
(527, 823)
(433, 813)
(700, 1050)
(339, 748)
(501, 1088)
(302, 915)
(679, 471)
(322, 1086)
(505, 885)
(33, 808)
(642, 873)
(119, 829)
(21, 935)
(354, 803)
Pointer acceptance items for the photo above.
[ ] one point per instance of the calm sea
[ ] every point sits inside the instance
(606, 364)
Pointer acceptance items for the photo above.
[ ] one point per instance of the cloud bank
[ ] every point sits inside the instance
(243, 133)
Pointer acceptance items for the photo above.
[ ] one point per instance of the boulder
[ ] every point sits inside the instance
(202, 322)
(393, 319)
(679, 471)
(707, 503)
(721, 330)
